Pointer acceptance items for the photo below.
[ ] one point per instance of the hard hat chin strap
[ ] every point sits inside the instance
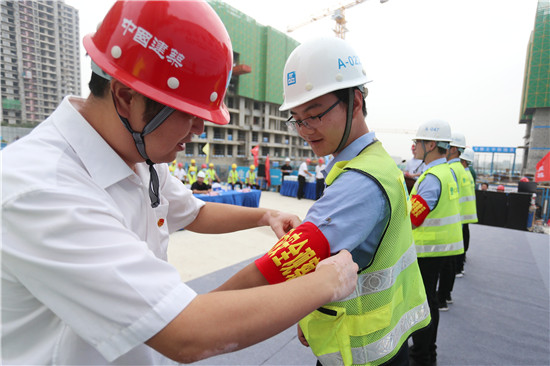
(156, 121)
(349, 120)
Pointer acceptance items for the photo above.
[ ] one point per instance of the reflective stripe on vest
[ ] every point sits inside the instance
(382, 347)
(368, 283)
(470, 218)
(440, 248)
(442, 221)
(467, 199)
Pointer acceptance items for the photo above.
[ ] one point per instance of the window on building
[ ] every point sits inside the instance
(241, 151)
(265, 150)
(254, 136)
(219, 150)
(189, 149)
(229, 150)
(257, 120)
(218, 133)
(242, 135)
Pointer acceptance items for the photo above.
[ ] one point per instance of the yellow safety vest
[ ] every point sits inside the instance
(389, 303)
(210, 174)
(192, 175)
(466, 190)
(233, 177)
(440, 234)
(251, 177)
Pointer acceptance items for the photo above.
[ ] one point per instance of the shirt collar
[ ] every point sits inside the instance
(351, 151)
(103, 164)
(454, 160)
(436, 162)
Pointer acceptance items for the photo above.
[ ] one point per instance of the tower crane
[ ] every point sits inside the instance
(337, 14)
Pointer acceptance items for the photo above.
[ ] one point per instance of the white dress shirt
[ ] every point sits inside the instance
(84, 272)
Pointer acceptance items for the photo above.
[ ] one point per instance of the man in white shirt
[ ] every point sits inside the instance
(180, 173)
(87, 209)
(302, 173)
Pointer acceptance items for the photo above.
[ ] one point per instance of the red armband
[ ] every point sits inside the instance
(419, 210)
(295, 254)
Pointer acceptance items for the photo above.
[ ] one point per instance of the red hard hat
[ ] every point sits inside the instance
(180, 165)
(308, 160)
(177, 53)
(524, 179)
(321, 160)
(203, 166)
(500, 188)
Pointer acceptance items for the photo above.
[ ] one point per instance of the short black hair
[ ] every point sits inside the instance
(99, 87)
(343, 95)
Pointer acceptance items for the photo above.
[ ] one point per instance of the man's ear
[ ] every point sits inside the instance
(122, 97)
(358, 102)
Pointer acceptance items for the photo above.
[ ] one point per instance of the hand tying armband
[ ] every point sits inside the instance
(419, 211)
(295, 254)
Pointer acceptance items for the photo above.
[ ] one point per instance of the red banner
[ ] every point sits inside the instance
(254, 152)
(267, 173)
(542, 173)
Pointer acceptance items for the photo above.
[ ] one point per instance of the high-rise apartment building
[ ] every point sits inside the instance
(535, 102)
(39, 58)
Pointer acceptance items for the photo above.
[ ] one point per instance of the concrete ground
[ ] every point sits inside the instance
(196, 255)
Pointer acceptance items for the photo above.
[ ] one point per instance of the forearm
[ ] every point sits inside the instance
(248, 277)
(227, 321)
(216, 218)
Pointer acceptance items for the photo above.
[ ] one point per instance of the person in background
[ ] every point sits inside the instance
(90, 283)
(233, 177)
(302, 173)
(192, 172)
(364, 209)
(200, 186)
(212, 175)
(250, 178)
(484, 186)
(470, 210)
(319, 178)
(436, 222)
(286, 169)
(180, 173)
(414, 167)
(500, 188)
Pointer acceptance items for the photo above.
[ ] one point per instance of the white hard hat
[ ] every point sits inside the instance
(435, 130)
(287, 159)
(318, 67)
(468, 155)
(458, 140)
(201, 175)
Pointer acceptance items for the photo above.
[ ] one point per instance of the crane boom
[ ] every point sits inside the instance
(337, 15)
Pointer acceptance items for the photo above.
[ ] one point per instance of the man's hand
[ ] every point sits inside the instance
(282, 222)
(344, 279)
(301, 336)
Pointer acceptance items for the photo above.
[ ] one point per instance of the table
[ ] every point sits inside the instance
(248, 199)
(290, 188)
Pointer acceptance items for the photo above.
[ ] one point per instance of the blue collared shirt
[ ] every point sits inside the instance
(353, 212)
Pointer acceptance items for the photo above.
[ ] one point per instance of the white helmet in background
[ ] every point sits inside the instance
(319, 67)
(435, 130)
(468, 155)
(458, 140)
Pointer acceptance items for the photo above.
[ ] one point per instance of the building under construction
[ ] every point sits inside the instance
(253, 98)
(535, 102)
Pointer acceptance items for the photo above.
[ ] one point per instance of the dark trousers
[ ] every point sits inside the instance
(401, 358)
(423, 350)
(461, 258)
(236, 184)
(319, 188)
(301, 187)
(447, 278)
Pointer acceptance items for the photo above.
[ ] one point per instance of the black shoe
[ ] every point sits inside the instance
(449, 300)
(443, 306)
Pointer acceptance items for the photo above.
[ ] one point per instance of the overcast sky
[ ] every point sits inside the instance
(461, 61)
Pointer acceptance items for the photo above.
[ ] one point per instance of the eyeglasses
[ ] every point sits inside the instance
(310, 122)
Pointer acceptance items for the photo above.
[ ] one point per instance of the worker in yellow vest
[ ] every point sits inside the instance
(448, 272)
(233, 177)
(324, 93)
(436, 221)
(192, 172)
(211, 174)
(468, 205)
(250, 178)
